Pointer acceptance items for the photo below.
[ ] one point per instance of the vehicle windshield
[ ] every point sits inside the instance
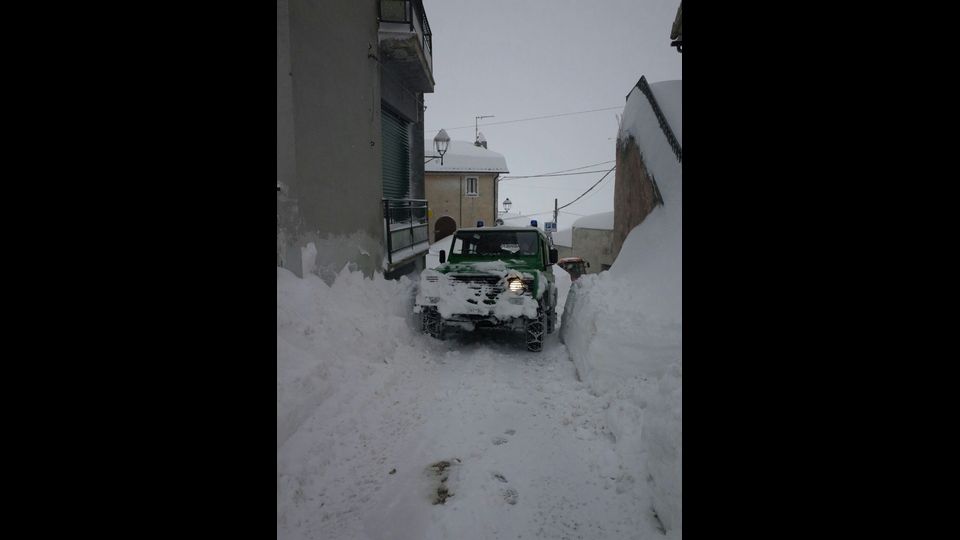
(575, 267)
(496, 243)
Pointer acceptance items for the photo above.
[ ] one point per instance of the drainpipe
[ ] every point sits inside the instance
(496, 197)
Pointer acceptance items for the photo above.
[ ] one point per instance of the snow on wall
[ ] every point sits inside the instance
(651, 259)
(324, 332)
(308, 258)
(462, 156)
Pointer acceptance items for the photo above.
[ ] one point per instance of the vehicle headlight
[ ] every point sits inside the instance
(516, 285)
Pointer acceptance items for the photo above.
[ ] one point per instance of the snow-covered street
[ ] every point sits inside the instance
(528, 450)
(386, 433)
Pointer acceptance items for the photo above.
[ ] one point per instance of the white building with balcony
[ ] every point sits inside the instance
(350, 83)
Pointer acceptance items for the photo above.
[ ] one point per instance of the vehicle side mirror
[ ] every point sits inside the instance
(443, 256)
(554, 255)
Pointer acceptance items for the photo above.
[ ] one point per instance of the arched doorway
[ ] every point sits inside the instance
(445, 226)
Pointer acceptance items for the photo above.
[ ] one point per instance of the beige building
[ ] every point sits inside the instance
(461, 189)
(593, 241)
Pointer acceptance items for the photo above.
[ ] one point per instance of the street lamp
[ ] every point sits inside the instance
(441, 142)
(506, 205)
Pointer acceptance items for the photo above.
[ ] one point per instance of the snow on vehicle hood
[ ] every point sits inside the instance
(453, 295)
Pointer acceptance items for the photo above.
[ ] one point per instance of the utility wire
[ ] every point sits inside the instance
(546, 175)
(558, 172)
(588, 190)
(583, 167)
(530, 215)
(533, 118)
(552, 188)
(569, 203)
(594, 194)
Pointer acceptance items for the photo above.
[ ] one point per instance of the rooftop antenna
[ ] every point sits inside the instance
(476, 126)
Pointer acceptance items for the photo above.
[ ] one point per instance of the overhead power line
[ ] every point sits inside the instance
(532, 118)
(571, 202)
(558, 173)
(588, 189)
(531, 215)
(546, 175)
(585, 166)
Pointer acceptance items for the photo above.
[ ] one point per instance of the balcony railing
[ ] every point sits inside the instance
(405, 225)
(409, 12)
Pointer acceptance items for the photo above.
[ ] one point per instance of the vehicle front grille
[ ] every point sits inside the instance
(486, 288)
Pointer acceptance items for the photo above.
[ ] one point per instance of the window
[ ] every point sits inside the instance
(473, 186)
(518, 243)
(395, 151)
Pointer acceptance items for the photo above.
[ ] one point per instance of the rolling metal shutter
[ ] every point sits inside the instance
(396, 155)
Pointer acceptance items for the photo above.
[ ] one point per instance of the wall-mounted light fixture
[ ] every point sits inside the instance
(441, 142)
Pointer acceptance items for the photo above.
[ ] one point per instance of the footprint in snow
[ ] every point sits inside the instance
(499, 477)
(510, 495)
(511, 432)
(499, 440)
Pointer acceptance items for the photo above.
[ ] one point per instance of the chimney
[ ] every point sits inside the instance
(481, 140)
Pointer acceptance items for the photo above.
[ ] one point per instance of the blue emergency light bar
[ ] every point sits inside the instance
(533, 223)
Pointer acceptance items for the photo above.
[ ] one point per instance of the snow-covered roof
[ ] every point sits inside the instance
(463, 156)
(602, 221)
(640, 121)
(563, 237)
(669, 96)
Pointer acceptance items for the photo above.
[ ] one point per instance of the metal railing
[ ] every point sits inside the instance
(405, 225)
(664, 126)
(408, 12)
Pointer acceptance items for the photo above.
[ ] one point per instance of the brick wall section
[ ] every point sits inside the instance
(633, 193)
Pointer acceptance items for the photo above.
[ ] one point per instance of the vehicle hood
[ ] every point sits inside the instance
(501, 268)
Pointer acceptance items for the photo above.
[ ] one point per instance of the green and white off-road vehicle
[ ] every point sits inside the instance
(496, 277)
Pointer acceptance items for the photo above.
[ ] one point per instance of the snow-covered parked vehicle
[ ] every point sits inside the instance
(496, 277)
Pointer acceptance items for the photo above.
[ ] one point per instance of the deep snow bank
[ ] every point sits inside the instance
(328, 334)
(624, 327)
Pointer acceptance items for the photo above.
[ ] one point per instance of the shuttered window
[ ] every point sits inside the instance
(396, 154)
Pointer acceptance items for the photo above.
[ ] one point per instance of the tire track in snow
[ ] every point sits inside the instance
(535, 458)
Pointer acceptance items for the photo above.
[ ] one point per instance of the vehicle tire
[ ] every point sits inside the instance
(552, 316)
(534, 332)
(432, 323)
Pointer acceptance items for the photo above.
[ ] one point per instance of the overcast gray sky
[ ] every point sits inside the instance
(518, 59)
